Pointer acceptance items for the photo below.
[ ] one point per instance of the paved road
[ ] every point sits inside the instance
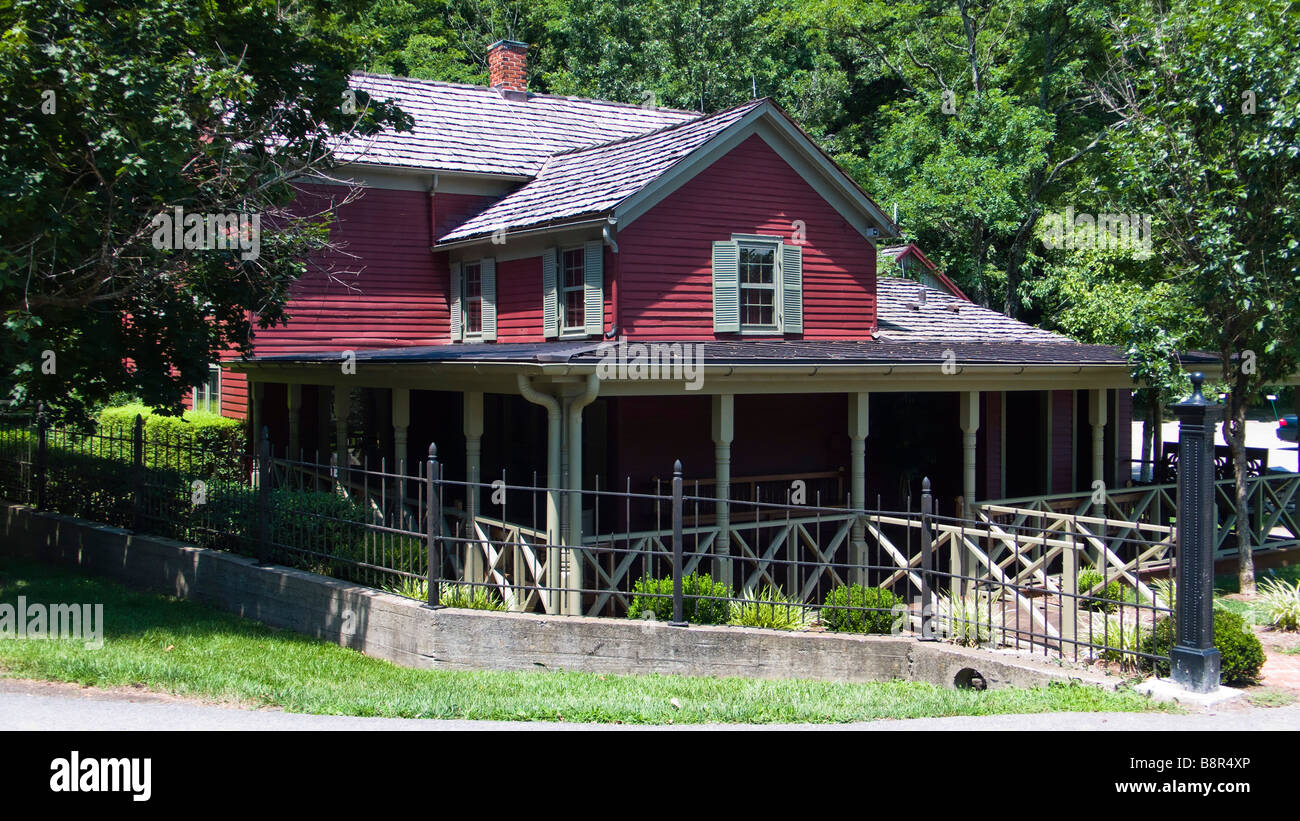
(26, 705)
(1259, 434)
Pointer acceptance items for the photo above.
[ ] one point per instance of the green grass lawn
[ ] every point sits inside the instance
(180, 647)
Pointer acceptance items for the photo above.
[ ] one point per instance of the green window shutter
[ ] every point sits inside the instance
(791, 289)
(726, 287)
(488, 267)
(593, 292)
(550, 306)
(455, 302)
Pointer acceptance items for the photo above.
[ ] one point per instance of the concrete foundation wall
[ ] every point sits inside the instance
(402, 631)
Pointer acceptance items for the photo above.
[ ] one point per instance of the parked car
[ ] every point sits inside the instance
(1287, 427)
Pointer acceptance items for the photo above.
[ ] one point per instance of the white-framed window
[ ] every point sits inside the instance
(471, 301)
(759, 295)
(207, 395)
(573, 291)
(473, 297)
(573, 266)
(757, 285)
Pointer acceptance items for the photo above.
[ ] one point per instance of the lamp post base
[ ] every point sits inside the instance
(1195, 670)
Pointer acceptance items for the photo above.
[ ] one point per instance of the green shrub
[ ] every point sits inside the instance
(198, 443)
(1240, 653)
(772, 609)
(858, 609)
(1281, 602)
(320, 521)
(703, 599)
(1104, 600)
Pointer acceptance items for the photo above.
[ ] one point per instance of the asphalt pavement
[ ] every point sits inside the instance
(29, 705)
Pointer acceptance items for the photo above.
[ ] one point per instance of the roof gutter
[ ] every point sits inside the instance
(541, 229)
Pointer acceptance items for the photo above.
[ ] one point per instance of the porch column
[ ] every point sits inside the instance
(342, 408)
(554, 428)
(969, 405)
(573, 555)
(259, 393)
(295, 424)
(473, 416)
(401, 413)
(1097, 418)
(859, 419)
(724, 432)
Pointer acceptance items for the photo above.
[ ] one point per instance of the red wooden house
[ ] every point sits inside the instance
(507, 252)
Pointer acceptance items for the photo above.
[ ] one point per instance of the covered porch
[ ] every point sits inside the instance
(848, 426)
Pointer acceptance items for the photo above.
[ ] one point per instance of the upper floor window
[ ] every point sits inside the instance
(474, 300)
(573, 291)
(757, 286)
(573, 264)
(471, 301)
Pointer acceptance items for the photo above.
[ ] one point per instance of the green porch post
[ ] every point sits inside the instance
(257, 391)
(724, 432)
(295, 423)
(960, 561)
(859, 421)
(1097, 419)
(473, 426)
(342, 409)
(573, 555)
(401, 418)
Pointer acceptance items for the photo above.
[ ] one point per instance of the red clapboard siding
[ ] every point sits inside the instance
(383, 289)
(234, 395)
(519, 297)
(1062, 405)
(665, 267)
(519, 300)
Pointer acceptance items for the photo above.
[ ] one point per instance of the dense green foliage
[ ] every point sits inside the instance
(1104, 599)
(116, 113)
(858, 609)
(1240, 653)
(704, 601)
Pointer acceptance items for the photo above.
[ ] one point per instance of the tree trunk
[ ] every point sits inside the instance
(1234, 430)
(1158, 434)
(1146, 470)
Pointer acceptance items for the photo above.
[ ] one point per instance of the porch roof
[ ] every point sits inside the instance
(909, 310)
(884, 351)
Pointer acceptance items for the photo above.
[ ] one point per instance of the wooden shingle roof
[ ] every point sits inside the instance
(478, 130)
(589, 181)
(902, 316)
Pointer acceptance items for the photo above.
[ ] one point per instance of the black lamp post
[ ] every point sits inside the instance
(1195, 662)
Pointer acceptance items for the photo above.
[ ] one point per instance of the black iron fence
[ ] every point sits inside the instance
(1040, 583)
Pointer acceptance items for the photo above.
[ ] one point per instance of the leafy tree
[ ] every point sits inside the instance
(990, 127)
(116, 115)
(447, 40)
(1208, 95)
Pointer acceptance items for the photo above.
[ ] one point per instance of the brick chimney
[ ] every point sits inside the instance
(508, 65)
